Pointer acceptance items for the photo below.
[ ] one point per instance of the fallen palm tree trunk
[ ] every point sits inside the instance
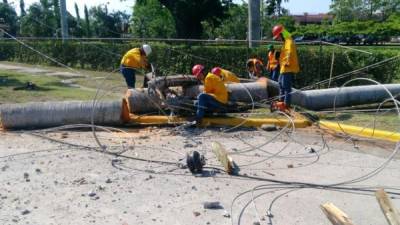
(140, 101)
(51, 114)
(344, 97)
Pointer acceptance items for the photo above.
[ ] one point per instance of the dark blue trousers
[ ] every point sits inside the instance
(129, 75)
(285, 87)
(206, 103)
(275, 73)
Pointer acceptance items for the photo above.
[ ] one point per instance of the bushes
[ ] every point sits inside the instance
(315, 61)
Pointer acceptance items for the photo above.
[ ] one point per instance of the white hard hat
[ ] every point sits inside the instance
(147, 49)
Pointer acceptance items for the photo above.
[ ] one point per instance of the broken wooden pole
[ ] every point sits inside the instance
(223, 157)
(390, 212)
(335, 215)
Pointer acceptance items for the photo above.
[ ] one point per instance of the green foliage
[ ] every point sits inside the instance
(10, 17)
(274, 8)
(314, 62)
(150, 19)
(40, 21)
(234, 26)
(88, 29)
(188, 15)
(351, 10)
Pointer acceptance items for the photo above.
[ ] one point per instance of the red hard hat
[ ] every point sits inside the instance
(276, 31)
(197, 69)
(217, 71)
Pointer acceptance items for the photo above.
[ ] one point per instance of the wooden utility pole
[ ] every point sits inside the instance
(254, 27)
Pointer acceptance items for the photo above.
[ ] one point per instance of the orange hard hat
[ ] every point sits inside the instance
(197, 70)
(217, 71)
(276, 31)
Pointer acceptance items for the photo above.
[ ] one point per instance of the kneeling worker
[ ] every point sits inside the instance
(215, 94)
(134, 59)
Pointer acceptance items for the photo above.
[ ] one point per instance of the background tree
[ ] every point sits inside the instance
(233, 26)
(151, 19)
(274, 8)
(9, 15)
(88, 29)
(22, 8)
(105, 24)
(189, 14)
(40, 20)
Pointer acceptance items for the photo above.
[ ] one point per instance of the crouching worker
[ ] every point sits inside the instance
(215, 94)
(227, 76)
(254, 68)
(134, 59)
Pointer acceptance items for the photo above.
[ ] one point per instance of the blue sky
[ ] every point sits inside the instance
(294, 6)
(309, 6)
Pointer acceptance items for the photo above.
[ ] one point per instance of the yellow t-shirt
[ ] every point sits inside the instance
(229, 77)
(134, 59)
(213, 85)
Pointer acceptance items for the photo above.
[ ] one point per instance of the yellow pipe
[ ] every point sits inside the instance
(221, 121)
(361, 131)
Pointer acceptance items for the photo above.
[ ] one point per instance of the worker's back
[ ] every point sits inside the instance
(229, 77)
(213, 85)
(134, 59)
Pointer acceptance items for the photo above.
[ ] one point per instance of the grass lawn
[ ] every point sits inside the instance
(384, 121)
(51, 88)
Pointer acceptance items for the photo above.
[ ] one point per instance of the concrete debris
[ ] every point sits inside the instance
(80, 181)
(149, 178)
(91, 193)
(269, 128)
(226, 214)
(188, 145)
(108, 181)
(212, 205)
(196, 214)
(25, 212)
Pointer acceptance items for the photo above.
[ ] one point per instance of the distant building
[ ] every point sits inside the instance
(312, 18)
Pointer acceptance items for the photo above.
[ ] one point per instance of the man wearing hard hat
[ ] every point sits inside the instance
(289, 64)
(134, 59)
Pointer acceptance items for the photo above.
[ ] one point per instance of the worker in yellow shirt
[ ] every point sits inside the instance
(273, 66)
(254, 67)
(134, 59)
(288, 61)
(215, 94)
(226, 75)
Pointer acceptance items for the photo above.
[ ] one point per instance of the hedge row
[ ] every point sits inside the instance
(315, 61)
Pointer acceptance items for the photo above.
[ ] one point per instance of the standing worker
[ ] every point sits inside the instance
(273, 66)
(134, 59)
(215, 94)
(288, 62)
(227, 76)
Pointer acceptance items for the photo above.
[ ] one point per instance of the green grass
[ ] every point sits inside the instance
(383, 121)
(50, 88)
